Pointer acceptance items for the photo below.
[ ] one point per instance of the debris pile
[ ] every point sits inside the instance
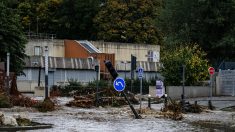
(20, 100)
(106, 97)
(173, 111)
(46, 105)
(81, 101)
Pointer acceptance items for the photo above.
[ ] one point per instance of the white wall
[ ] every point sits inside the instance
(55, 77)
(175, 92)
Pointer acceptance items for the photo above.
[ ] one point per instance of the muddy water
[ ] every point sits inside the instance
(108, 120)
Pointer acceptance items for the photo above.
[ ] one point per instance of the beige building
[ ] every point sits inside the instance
(123, 51)
(36, 47)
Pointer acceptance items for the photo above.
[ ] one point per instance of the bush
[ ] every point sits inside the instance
(5, 101)
(196, 66)
(101, 84)
(73, 86)
(136, 86)
(46, 105)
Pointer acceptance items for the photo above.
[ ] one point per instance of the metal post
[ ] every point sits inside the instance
(39, 75)
(132, 108)
(46, 72)
(140, 93)
(149, 101)
(125, 70)
(183, 99)
(8, 73)
(131, 80)
(97, 85)
(211, 86)
(233, 87)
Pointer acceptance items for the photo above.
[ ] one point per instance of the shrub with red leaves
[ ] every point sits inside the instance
(23, 101)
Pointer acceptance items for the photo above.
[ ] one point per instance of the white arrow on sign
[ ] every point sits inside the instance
(117, 83)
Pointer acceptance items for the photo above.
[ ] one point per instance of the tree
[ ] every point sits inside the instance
(12, 38)
(209, 23)
(131, 22)
(39, 16)
(76, 19)
(190, 56)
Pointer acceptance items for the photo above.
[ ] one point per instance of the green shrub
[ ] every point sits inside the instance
(73, 86)
(4, 101)
(136, 86)
(101, 84)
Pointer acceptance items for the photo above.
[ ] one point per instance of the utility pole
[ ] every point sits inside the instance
(97, 84)
(46, 72)
(8, 73)
(183, 82)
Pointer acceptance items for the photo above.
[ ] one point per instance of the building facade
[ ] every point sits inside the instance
(72, 59)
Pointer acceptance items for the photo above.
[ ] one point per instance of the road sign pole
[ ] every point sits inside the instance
(132, 108)
(117, 86)
(211, 72)
(140, 93)
(211, 86)
(183, 84)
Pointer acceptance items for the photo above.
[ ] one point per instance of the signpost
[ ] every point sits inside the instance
(211, 72)
(119, 84)
(140, 75)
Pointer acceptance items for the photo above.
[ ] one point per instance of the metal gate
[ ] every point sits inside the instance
(227, 82)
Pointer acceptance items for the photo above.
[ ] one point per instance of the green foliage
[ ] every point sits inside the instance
(136, 86)
(101, 84)
(190, 56)
(23, 122)
(70, 19)
(131, 22)
(72, 86)
(76, 19)
(12, 38)
(4, 101)
(208, 23)
(39, 16)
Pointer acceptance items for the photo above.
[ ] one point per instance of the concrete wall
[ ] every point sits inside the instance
(190, 91)
(55, 47)
(123, 51)
(55, 77)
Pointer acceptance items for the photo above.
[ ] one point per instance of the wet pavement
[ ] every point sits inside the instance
(217, 102)
(71, 119)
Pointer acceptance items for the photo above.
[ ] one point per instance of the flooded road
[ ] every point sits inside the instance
(109, 119)
(102, 120)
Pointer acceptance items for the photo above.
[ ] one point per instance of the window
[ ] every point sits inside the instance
(153, 56)
(37, 50)
(150, 56)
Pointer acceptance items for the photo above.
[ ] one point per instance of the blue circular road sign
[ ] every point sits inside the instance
(140, 72)
(119, 84)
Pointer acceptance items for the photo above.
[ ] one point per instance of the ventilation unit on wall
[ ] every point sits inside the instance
(153, 56)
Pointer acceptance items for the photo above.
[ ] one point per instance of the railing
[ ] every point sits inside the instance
(32, 35)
